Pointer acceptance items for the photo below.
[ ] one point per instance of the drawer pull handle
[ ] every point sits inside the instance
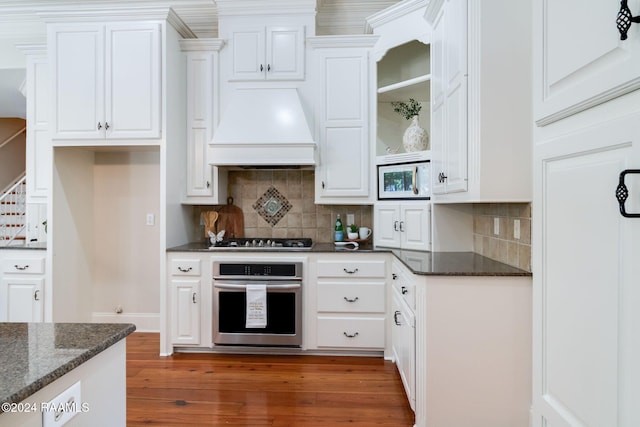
(395, 318)
(21, 268)
(355, 334)
(355, 270)
(351, 300)
(185, 270)
(404, 290)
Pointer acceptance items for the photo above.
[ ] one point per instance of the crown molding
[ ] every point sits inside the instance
(394, 12)
(359, 41)
(199, 45)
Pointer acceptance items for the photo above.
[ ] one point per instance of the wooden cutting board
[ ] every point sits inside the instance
(230, 219)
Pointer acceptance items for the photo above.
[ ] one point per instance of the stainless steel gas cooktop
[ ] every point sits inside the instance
(294, 244)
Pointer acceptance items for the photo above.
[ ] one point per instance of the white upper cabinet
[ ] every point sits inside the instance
(206, 184)
(38, 149)
(449, 98)
(481, 127)
(105, 80)
(600, 67)
(342, 69)
(268, 53)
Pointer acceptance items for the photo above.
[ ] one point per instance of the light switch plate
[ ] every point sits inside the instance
(496, 226)
(516, 229)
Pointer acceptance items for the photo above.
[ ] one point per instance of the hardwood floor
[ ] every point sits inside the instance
(260, 390)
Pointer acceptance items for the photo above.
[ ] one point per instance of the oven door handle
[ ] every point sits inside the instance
(244, 287)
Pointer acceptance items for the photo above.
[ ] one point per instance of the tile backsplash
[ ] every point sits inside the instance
(503, 247)
(296, 188)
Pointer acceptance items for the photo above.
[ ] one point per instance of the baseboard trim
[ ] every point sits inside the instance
(145, 322)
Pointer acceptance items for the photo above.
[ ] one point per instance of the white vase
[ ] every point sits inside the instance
(415, 138)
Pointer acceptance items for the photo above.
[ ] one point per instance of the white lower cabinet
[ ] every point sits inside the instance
(22, 285)
(403, 328)
(348, 302)
(189, 314)
(405, 225)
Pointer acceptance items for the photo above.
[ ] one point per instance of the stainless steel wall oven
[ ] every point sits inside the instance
(282, 306)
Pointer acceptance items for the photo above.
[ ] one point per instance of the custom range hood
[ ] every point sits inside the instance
(263, 128)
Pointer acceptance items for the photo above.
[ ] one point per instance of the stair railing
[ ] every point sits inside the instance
(13, 212)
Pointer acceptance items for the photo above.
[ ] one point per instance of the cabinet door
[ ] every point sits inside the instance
(343, 173)
(22, 299)
(185, 311)
(449, 101)
(586, 294)
(387, 225)
(285, 53)
(403, 342)
(200, 118)
(132, 81)
(248, 50)
(599, 67)
(38, 149)
(76, 61)
(415, 226)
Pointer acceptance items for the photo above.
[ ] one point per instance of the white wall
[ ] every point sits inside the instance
(10, 57)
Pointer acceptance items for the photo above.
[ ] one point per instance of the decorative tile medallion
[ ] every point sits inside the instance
(272, 206)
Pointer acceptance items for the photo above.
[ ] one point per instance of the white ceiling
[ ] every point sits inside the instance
(19, 21)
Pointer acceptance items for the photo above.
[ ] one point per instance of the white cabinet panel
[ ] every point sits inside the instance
(22, 299)
(185, 311)
(268, 53)
(344, 172)
(405, 225)
(106, 80)
(600, 66)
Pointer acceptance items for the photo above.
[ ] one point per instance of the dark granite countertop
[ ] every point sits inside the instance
(33, 355)
(423, 263)
(31, 245)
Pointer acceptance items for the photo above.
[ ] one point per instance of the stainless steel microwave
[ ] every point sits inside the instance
(405, 181)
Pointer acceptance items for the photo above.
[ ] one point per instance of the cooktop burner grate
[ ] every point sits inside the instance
(266, 243)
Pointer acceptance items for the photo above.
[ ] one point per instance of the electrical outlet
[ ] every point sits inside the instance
(516, 229)
(151, 219)
(351, 219)
(496, 226)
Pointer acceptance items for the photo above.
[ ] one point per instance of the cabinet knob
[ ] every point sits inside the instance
(323, 185)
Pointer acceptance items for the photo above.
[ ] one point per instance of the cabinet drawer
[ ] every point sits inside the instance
(351, 298)
(23, 265)
(351, 268)
(406, 287)
(185, 267)
(356, 332)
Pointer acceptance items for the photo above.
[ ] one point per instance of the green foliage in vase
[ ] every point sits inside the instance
(407, 110)
(353, 228)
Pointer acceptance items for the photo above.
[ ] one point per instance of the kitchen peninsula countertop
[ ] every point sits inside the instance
(33, 355)
(422, 263)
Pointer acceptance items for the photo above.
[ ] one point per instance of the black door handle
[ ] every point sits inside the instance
(622, 193)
